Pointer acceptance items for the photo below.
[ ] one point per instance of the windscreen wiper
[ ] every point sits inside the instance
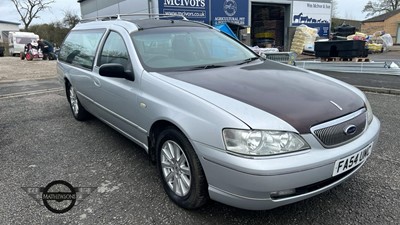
(248, 60)
(210, 66)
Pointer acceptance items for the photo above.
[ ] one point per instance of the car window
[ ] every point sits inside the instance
(24, 40)
(114, 51)
(79, 48)
(185, 48)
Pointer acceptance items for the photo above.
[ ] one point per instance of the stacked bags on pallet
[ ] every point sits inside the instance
(378, 42)
(303, 36)
(358, 36)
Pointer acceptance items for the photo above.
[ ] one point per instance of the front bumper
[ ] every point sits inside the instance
(248, 182)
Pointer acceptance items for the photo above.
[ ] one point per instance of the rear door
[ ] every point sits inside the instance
(77, 57)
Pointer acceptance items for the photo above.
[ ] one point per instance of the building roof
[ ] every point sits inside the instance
(383, 17)
(8, 22)
(354, 23)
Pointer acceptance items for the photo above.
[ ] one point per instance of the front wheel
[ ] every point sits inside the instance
(180, 170)
(77, 109)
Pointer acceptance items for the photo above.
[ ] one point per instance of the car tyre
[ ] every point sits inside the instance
(52, 56)
(29, 56)
(78, 111)
(180, 170)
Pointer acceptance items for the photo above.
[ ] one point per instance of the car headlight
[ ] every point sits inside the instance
(370, 115)
(262, 143)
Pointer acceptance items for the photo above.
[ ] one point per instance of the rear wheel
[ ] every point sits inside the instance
(77, 109)
(29, 56)
(180, 170)
(52, 56)
(22, 55)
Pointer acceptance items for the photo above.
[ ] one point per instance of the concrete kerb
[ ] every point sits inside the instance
(379, 90)
(27, 79)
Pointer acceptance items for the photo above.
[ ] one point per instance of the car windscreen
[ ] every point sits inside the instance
(187, 48)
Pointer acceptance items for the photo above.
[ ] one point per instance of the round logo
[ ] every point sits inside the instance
(230, 7)
(350, 130)
(59, 196)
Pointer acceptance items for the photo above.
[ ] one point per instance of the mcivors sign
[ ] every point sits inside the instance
(190, 3)
(191, 9)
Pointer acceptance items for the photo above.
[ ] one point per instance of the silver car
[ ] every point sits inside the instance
(219, 121)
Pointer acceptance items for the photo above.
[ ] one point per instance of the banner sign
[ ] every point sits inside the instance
(313, 14)
(233, 11)
(197, 10)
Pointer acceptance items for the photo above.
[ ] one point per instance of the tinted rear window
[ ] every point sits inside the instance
(79, 48)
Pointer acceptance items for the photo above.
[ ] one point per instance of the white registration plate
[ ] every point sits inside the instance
(345, 164)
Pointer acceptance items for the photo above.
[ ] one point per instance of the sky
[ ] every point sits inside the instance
(8, 12)
(347, 9)
(351, 9)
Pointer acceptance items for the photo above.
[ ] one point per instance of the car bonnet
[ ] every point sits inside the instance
(300, 98)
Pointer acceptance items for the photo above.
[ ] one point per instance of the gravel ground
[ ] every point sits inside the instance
(15, 69)
(41, 142)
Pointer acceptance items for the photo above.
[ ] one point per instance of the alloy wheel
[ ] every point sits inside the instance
(175, 168)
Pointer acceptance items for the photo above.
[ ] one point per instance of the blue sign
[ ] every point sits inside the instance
(233, 11)
(197, 10)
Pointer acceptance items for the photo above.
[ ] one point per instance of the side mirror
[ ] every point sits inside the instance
(115, 70)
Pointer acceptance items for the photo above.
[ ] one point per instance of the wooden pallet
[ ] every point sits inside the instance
(338, 59)
(330, 59)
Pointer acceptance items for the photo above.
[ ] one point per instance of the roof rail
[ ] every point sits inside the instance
(119, 17)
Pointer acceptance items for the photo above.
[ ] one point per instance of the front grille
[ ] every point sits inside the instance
(332, 133)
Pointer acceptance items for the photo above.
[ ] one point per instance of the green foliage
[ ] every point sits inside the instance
(53, 32)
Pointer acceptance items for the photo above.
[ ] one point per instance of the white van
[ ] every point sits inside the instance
(18, 40)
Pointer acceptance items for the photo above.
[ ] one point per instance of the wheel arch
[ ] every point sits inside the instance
(154, 131)
(197, 194)
(66, 86)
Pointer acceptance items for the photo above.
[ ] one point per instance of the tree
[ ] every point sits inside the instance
(380, 7)
(334, 9)
(70, 19)
(54, 32)
(29, 9)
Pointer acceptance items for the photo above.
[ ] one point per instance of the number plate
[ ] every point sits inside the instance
(345, 164)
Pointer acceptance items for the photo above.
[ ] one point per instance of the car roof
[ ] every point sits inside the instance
(154, 23)
(139, 24)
